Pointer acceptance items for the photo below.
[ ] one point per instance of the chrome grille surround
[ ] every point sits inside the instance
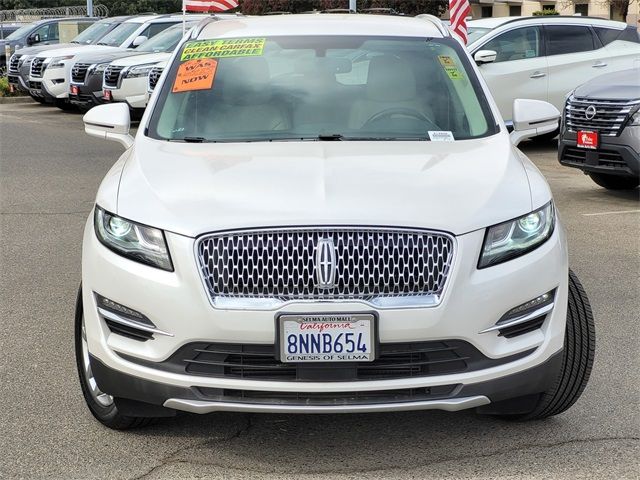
(38, 67)
(112, 76)
(610, 117)
(382, 267)
(13, 62)
(79, 72)
(154, 76)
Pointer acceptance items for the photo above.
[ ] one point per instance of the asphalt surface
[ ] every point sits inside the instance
(49, 173)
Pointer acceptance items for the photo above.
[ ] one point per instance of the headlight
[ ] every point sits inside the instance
(99, 68)
(635, 120)
(138, 242)
(514, 238)
(58, 62)
(140, 71)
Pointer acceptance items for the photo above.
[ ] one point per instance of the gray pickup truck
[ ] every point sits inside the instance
(600, 130)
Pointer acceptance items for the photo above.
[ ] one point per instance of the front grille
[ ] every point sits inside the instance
(310, 399)
(79, 72)
(35, 85)
(260, 362)
(370, 264)
(38, 67)
(154, 76)
(112, 75)
(13, 63)
(609, 116)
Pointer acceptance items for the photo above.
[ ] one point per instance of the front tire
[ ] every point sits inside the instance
(615, 182)
(101, 405)
(577, 358)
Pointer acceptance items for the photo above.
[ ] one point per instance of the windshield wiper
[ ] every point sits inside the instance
(330, 137)
(193, 139)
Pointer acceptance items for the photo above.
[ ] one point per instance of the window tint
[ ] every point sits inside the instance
(155, 28)
(516, 44)
(630, 34)
(607, 35)
(563, 39)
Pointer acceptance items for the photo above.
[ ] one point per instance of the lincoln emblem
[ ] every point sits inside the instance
(325, 264)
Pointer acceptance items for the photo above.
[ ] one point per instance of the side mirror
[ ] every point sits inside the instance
(532, 118)
(33, 38)
(485, 56)
(110, 122)
(139, 40)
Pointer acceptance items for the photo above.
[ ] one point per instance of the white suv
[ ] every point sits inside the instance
(325, 213)
(544, 58)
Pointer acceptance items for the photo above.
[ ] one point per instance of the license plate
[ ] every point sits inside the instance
(74, 90)
(107, 96)
(587, 139)
(327, 338)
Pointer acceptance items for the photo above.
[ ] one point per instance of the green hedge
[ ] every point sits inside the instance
(546, 11)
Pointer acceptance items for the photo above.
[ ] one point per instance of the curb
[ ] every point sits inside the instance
(10, 100)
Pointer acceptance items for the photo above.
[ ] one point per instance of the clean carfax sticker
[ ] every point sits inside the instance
(441, 136)
(450, 67)
(195, 75)
(223, 48)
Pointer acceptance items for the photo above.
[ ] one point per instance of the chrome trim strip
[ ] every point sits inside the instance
(130, 323)
(522, 319)
(272, 304)
(451, 405)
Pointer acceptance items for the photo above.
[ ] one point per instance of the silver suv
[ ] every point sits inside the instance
(600, 130)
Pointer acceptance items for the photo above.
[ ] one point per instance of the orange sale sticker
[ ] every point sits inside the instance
(195, 75)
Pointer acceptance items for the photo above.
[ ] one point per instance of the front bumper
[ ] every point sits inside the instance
(55, 82)
(133, 91)
(177, 303)
(614, 156)
(89, 92)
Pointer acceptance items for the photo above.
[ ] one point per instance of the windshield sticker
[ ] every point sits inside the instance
(228, 47)
(450, 67)
(441, 136)
(195, 75)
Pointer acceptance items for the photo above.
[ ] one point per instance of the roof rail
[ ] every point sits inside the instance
(541, 17)
(436, 23)
(203, 23)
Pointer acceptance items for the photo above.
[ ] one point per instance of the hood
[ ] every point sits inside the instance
(142, 59)
(624, 85)
(43, 48)
(104, 57)
(75, 50)
(191, 189)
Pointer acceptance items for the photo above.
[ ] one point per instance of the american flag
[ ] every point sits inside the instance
(458, 12)
(209, 5)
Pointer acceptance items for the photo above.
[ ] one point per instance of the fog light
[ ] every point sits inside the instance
(119, 309)
(528, 307)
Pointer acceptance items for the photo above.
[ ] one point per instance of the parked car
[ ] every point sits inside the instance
(285, 234)
(87, 73)
(600, 130)
(7, 29)
(154, 77)
(126, 79)
(42, 32)
(50, 71)
(546, 57)
(20, 62)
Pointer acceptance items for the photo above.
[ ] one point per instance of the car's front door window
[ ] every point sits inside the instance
(516, 44)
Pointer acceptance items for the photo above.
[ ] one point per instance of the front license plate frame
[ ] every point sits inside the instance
(74, 90)
(588, 139)
(107, 95)
(328, 317)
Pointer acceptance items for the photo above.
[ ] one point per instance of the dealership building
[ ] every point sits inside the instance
(592, 8)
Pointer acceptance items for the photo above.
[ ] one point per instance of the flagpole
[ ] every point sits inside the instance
(184, 17)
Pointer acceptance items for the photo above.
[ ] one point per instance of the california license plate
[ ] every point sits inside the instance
(327, 338)
(587, 139)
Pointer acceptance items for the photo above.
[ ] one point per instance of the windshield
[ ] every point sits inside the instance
(21, 32)
(93, 33)
(165, 41)
(118, 35)
(321, 88)
(475, 33)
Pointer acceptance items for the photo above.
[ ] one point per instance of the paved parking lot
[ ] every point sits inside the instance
(49, 172)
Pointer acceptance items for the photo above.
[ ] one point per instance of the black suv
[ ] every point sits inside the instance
(600, 130)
